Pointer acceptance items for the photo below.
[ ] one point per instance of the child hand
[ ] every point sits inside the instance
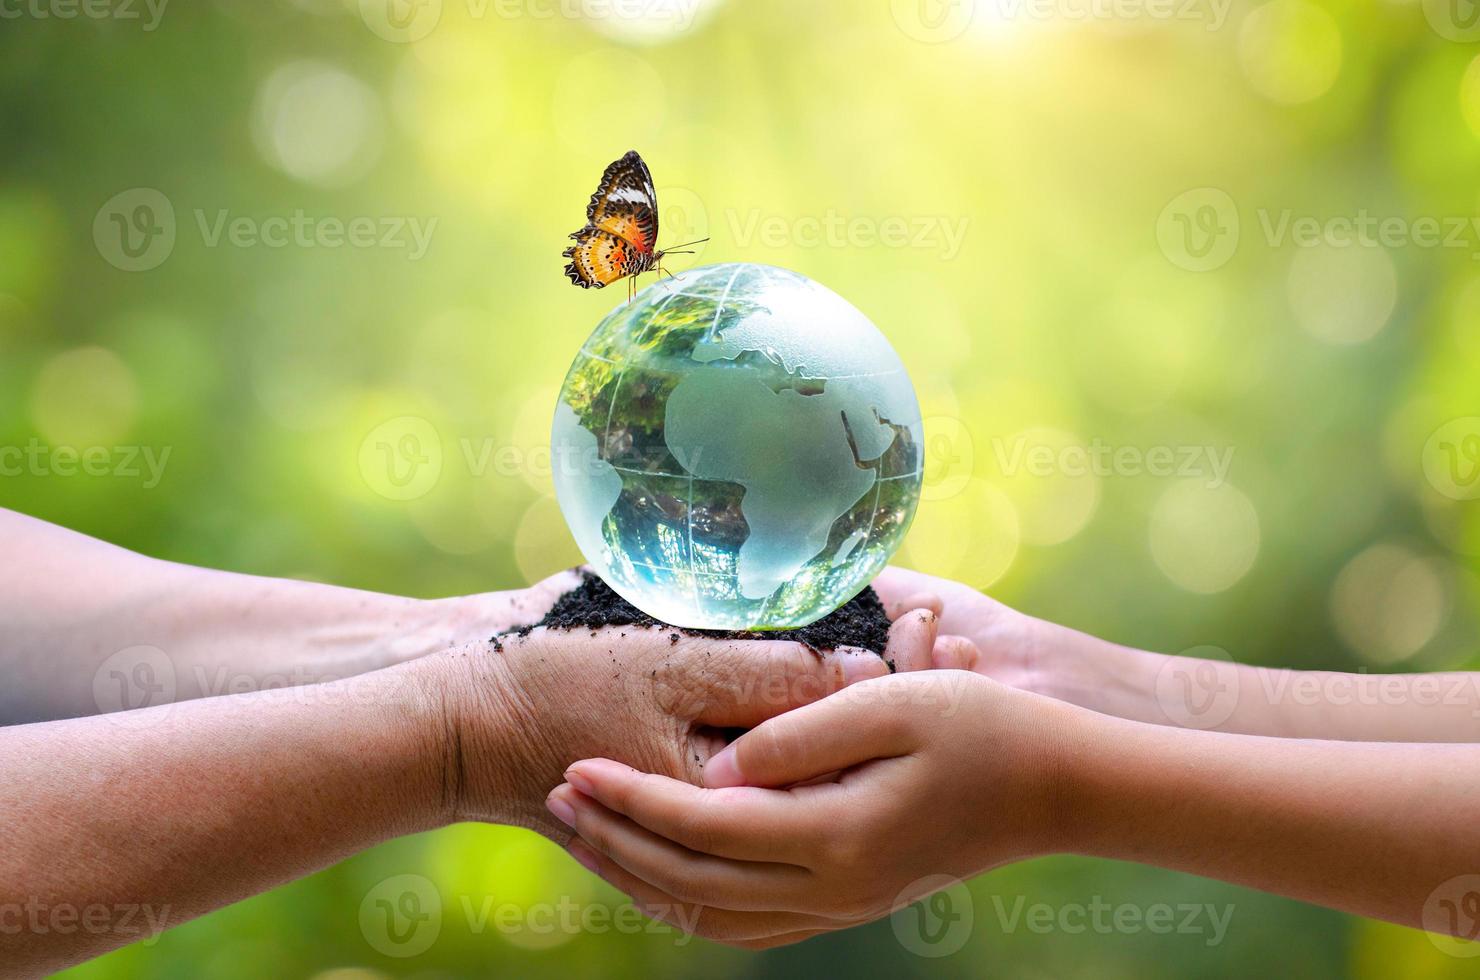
(943, 772)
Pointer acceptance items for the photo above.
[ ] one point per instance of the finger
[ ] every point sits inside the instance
(743, 823)
(741, 683)
(535, 602)
(687, 875)
(910, 640)
(896, 586)
(954, 653)
(897, 605)
(756, 930)
(834, 734)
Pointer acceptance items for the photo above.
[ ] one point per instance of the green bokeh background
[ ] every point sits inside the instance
(1081, 307)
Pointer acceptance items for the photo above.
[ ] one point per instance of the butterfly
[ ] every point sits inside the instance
(621, 233)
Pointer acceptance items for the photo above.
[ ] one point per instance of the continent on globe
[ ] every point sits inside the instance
(791, 453)
(737, 449)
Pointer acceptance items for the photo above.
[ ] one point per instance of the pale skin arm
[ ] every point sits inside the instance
(1377, 829)
(1218, 695)
(69, 603)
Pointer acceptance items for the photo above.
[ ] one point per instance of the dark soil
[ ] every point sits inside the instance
(860, 622)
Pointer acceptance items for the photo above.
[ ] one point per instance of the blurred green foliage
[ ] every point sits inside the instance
(1078, 232)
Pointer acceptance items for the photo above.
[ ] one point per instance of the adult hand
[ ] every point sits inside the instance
(523, 709)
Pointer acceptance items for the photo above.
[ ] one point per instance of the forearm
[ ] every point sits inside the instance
(159, 815)
(173, 632)
(1220, 695)
(1376, 829)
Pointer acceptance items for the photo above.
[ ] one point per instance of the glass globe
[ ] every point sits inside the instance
(737, 448)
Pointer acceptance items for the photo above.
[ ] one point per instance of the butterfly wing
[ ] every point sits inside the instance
(599, 258)
(626, 204)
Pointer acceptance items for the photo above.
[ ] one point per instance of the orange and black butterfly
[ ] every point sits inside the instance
(621, 234)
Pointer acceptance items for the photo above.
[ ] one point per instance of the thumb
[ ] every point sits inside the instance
(829, 736)
(955, 652)
(741, 683)
(910, 640)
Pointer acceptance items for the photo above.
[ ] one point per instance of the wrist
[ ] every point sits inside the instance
(1092, 673)
(497, 765)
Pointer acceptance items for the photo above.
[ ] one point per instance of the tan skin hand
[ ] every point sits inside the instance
(774, 865)
(1137, 685)
(832, 815)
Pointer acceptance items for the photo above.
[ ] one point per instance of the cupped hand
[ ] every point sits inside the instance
(943, 773)
(523, 708)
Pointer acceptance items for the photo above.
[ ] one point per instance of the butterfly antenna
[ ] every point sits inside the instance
(674, 250)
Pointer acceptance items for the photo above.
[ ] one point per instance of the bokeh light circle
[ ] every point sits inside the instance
(1342, 294)
(1388, 602)
(1290, 50)
(317, 123)
(972, 536)
(1204, 538)
(84, 397)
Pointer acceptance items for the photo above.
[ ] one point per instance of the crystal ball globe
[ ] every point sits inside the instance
(737, 448)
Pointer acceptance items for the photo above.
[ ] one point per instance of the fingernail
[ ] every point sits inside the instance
(562, 810)
(580, 781)
(723, 770)
(584, 856)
